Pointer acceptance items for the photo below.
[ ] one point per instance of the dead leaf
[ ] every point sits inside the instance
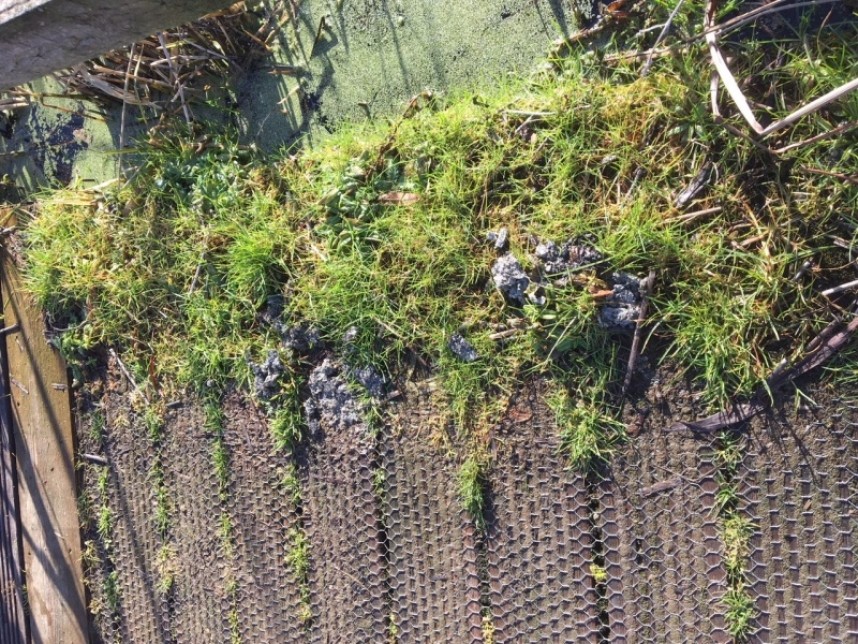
(397, 198)
(519, 414)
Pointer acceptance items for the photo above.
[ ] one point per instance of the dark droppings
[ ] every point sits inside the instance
(462, 349)
(510, 278)
(332, 405)
(557, 258)
(267, 375)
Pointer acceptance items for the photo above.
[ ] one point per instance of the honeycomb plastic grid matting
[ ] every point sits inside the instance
(633, 553)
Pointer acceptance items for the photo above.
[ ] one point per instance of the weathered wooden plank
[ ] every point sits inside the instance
(13, 627)
(41, 36)
(44, 442)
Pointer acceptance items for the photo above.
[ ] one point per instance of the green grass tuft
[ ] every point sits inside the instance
(736, 533)
(298, 558)
(472, 488)
(589, 435)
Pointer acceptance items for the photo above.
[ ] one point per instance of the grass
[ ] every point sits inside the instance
(96, 426)
(736, 532)
(226, 533)
(287, 424)
(588, 434)
(291, 485)
(472, 488)
(111, 593)
(298, 558)
(214, 424)
(214, 420)
(152, 417)
(165, 564)
(382, 230)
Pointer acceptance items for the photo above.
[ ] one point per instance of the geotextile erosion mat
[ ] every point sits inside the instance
(631, 553)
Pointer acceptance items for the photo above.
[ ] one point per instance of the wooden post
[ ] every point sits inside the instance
(44, 445)
(41, 36)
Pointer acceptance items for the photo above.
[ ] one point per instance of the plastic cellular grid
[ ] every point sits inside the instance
(434, 583)
(799, 486)
(143, 613)
(196, 601)
(633, 554)
(539, 539)
(661, 539)
(348, 575)
(262, 516)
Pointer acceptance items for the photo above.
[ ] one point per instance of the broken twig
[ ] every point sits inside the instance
(645, 290)
(661, 36)
(839, 289)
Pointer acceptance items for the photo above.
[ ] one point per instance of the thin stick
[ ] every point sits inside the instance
(661, 37)
(811, 107)
(645, 289)
(724, 72)
(840, 129)
(772, 7)
(839, 289)
(125, 104)
(527, 113)
(695, 215)
(128, 375)
(851, 178)
(802, 270)
(720, 30)
(95, 459)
